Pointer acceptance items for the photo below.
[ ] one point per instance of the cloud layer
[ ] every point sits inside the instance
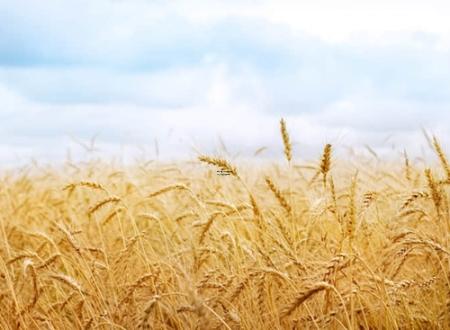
(137, 71)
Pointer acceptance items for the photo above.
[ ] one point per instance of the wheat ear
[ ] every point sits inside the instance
(434, 190)
(325, 163)
(351, 221)
(219, 162)
(286, 140)
(302, 297)
(283, 202)
(99, 205)
(442, 158)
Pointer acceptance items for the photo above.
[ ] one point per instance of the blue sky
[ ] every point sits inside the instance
(186, 72)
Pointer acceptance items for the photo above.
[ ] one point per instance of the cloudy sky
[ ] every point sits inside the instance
(184, 75)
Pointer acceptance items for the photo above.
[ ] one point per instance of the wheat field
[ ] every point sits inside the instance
(217, 244)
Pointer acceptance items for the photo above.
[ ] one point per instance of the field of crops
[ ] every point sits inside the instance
(218, 244)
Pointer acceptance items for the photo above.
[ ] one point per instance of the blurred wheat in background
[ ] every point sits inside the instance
(292, 245)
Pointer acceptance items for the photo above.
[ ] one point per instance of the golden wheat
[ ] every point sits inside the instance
(183, 248)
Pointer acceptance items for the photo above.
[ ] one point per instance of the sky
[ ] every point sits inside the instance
(170, 79)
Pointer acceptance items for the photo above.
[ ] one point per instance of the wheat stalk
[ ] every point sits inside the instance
(168, 188)
(442, 158)
(302, 297)
(407, 166)
(325, 163)
(414, 196)
(208, 225)
(88, 184)
(277, 193)
(102, 203)
(434, 190)
(221, 163)
(351, 213)
(28, 264)
(67, 280)
(286, 140)
(49, 261)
